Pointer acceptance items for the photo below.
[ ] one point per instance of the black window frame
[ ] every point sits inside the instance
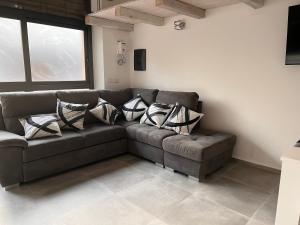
(26, 16)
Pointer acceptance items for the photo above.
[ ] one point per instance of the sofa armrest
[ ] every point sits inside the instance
(11, 158)
(8, 139)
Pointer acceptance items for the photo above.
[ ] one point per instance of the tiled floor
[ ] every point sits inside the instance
(130, 191)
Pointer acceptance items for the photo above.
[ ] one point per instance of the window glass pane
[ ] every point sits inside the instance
(11, 51)
(56, 53)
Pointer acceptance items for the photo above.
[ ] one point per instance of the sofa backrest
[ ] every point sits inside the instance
(149, 95)
(188, 99)
(81, 97)
(116, 98)
(2, 127)
(19, 104)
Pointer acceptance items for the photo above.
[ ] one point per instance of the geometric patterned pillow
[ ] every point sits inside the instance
(38, 126)
(134, 108)
(182, 120)
(71, 115)
(156, 114)
(105, 112)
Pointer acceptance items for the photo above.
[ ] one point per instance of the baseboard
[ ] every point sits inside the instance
(270, 169)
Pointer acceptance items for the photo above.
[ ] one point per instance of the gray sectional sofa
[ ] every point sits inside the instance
(21, 161)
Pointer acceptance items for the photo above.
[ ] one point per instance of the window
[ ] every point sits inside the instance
(56, 53)
(11, 53)
(39, 52)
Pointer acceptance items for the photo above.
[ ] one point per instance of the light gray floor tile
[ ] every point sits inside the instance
(239, 197)
(112, 211)
(128, 190)
(48, 199)
(192, 211)
(123, 178)
(154, 196)
(255, 222)
(16, 199)
(180, 180)
(80, 194)
(15, 204)
(267, 212)
(255, 177)
(104, 167)
(26, 217)
(147, 167)
(157, 222)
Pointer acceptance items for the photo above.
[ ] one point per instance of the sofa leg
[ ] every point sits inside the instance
(10, 187)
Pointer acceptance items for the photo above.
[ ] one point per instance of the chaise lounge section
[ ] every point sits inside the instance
(24, 160)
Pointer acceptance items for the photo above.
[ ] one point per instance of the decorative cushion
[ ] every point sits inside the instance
(81, 97)
(105, 112)
(182, 120)
(156, 114)
(134, 108)
(16, 105)
(71, 115)
(38, 126)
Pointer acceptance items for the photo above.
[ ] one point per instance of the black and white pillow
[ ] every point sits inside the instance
(182, 120)
(156, 114)
(71, 115)
(38, 126)
(105, 112)
(134, 108)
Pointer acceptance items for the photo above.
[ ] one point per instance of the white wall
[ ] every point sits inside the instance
(107, 73)
(98, 60)
(234, 59)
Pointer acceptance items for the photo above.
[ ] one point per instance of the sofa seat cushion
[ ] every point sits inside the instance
(150, 135)
(200, 145)
(96, 134)
(46, 147)
(125, 123)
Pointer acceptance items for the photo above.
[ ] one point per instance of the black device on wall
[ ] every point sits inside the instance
(293, 37)
(140, 59)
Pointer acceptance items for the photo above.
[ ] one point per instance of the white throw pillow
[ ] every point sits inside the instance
(38, 126)
(134, 108)
(156, 114)
(105, 112)
(71, 115)
(182, 120)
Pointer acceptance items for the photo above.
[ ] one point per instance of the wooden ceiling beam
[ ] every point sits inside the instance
(101, 22)
(139, 16)
(107, 4)
(181, 8)
(256, 4)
